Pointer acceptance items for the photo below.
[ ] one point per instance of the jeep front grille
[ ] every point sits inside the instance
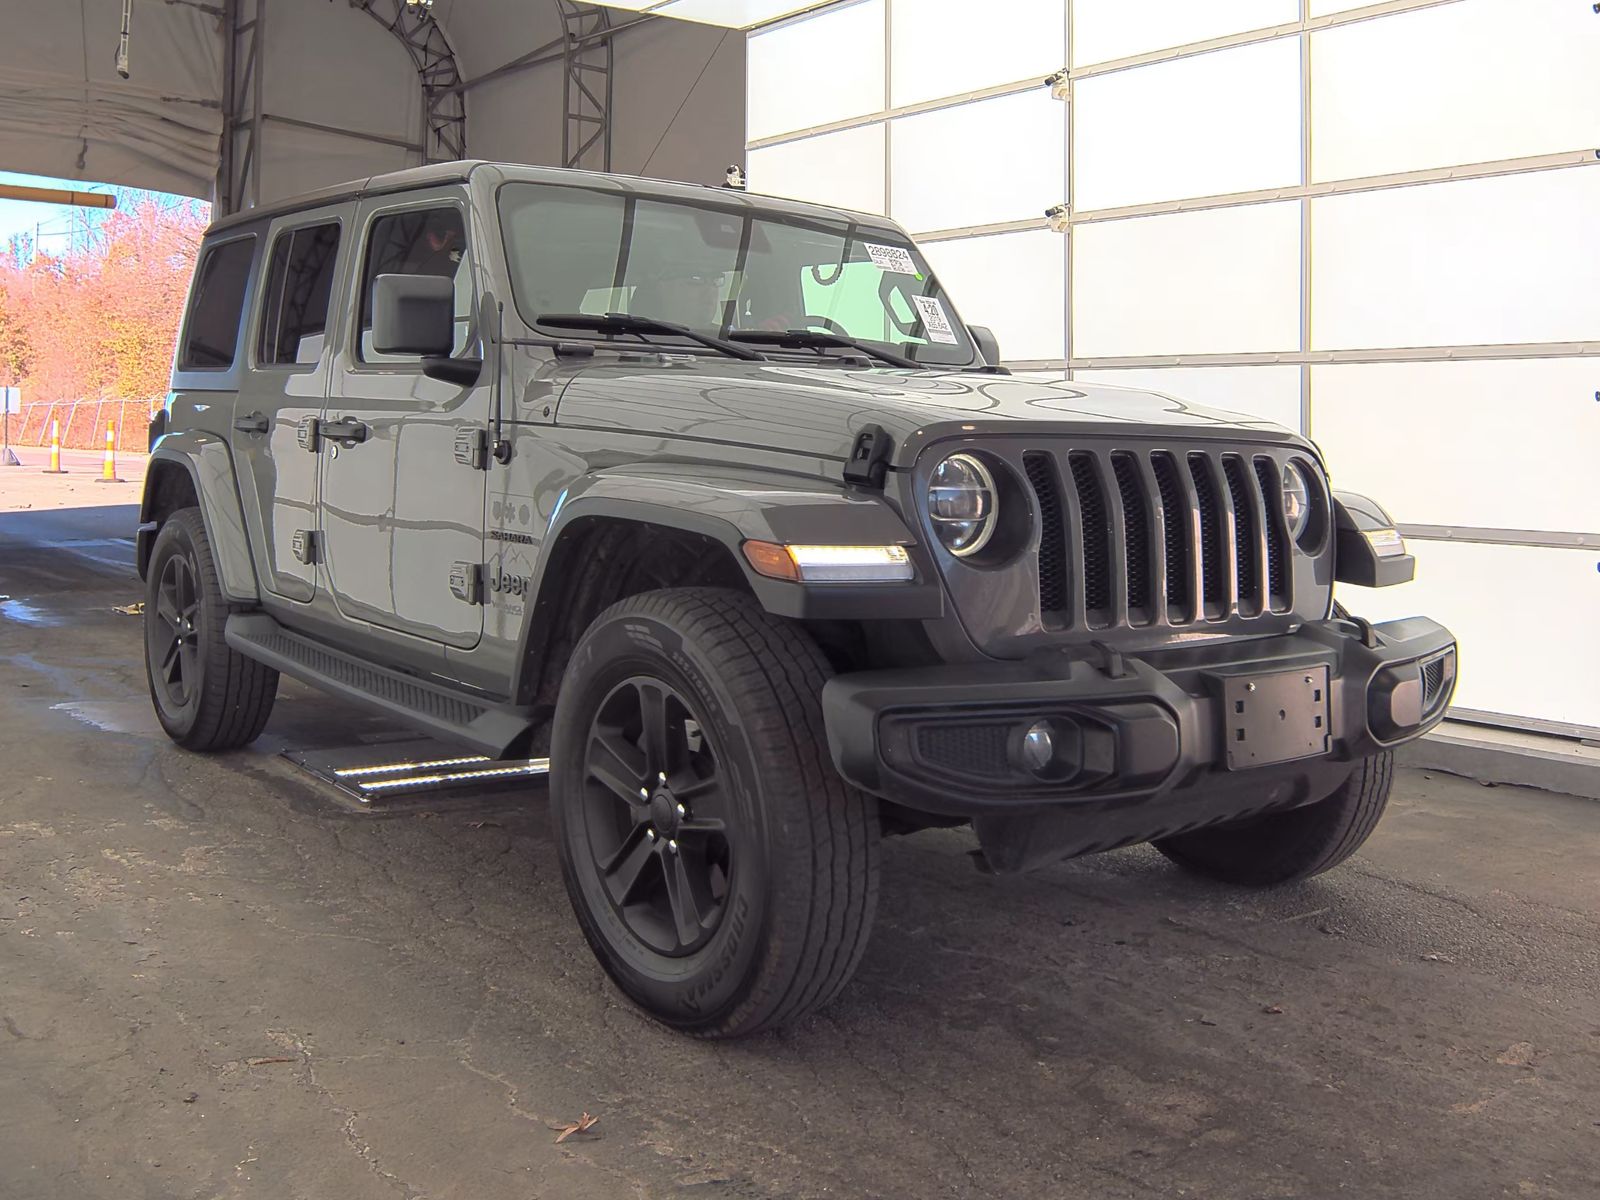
(1128, 538)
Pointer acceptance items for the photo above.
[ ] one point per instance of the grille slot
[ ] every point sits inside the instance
(1245, 536)
(1175, 535)
(1437, 675)
(1213, 595)
(1041, 471)
(1096, 538)
(1277, 536)
(1136, 537)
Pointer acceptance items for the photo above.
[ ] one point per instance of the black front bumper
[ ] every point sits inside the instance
(1193, 734)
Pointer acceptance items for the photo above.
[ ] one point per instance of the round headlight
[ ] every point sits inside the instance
(961, 504)
(1296, 500)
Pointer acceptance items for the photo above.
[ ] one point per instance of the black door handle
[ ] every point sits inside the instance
(254, 424)
(347, 430)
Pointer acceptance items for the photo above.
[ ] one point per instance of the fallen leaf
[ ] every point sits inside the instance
(1272, 1009)
(1207, 1021)
(1444, 958)
(191, 1097)
(129, 610)
(261, 1062)
(1518, 1054)
(583, 1124)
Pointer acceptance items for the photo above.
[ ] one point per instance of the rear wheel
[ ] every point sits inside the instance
(1286, 846)
(206, 695)
(722, 872)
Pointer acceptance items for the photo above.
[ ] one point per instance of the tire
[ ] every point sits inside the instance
(206, 695)
(1297, 844)
(780, 900)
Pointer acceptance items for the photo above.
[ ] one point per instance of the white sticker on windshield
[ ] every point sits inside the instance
(934, 320)
(891, 258)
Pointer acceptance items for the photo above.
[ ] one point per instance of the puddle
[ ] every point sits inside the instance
(113, 716)
(28, 614)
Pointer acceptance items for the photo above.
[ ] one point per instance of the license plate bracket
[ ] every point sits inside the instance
(1275, 718)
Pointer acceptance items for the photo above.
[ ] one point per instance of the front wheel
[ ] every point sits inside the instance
(1297, 844)
(207, 696)
(722, 872)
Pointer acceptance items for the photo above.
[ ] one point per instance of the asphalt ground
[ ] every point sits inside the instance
(217, 981)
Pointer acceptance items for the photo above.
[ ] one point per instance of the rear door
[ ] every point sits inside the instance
(282, 393)
(403, 509)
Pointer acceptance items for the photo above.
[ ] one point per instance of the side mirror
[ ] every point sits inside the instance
(988, 345)
(413, 314)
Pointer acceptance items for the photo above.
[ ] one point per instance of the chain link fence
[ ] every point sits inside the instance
(83, 423)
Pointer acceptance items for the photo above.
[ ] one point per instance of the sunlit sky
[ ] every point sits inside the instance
(25, 216)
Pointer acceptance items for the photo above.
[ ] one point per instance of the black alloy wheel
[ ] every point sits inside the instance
(656, 817)
(173, 637)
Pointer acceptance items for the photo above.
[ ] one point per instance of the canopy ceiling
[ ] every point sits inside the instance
(351, 88)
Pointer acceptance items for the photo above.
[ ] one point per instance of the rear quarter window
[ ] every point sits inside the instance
(211, 330)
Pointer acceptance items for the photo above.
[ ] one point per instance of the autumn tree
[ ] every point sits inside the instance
(98, 319)
(16, 351)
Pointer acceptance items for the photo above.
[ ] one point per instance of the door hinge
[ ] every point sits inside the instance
(309, 434)
(472, 448)
(466, 582)
(308, 546)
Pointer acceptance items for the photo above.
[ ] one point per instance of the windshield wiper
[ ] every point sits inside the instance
(808, 339)
(624, 323)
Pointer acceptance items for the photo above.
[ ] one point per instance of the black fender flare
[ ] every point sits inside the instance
(1355, 559)
(729, 515)
(205, 458)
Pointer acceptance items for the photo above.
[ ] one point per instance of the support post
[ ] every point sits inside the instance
(586, 86)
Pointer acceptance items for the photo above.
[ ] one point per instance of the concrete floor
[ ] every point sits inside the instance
(214, 982)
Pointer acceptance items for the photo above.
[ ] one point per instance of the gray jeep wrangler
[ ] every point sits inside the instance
(714, 501)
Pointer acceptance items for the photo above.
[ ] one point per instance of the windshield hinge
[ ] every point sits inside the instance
(869, 458)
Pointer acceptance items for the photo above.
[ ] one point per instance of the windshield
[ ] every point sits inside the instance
(720, 270)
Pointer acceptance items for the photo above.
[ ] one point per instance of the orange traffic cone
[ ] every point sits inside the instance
(55, 450)
(108, 467)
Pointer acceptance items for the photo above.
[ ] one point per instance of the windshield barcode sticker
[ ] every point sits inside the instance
(891, 258)
(934, 320)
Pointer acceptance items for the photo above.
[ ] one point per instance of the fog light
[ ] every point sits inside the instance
(1038, 748)
(1051, 749)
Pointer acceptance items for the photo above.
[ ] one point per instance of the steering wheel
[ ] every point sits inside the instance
(827, 323)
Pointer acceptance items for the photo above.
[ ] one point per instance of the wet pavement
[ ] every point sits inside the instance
(218, 981)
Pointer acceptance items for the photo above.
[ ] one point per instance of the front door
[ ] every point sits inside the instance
(283, 391)
(402, 513)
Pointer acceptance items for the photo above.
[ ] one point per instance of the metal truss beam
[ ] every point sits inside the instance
(586, 85)
(443, 135)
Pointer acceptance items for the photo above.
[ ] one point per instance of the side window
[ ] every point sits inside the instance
(212, 333)
(294, 315)
(418, 241)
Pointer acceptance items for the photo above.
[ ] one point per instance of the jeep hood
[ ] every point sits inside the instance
(817, 411)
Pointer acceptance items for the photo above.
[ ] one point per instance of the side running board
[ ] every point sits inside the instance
(494, 730)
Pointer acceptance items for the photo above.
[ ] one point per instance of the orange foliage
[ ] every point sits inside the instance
(98, 322)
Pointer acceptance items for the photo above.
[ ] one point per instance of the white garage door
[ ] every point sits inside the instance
(1380, 230)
